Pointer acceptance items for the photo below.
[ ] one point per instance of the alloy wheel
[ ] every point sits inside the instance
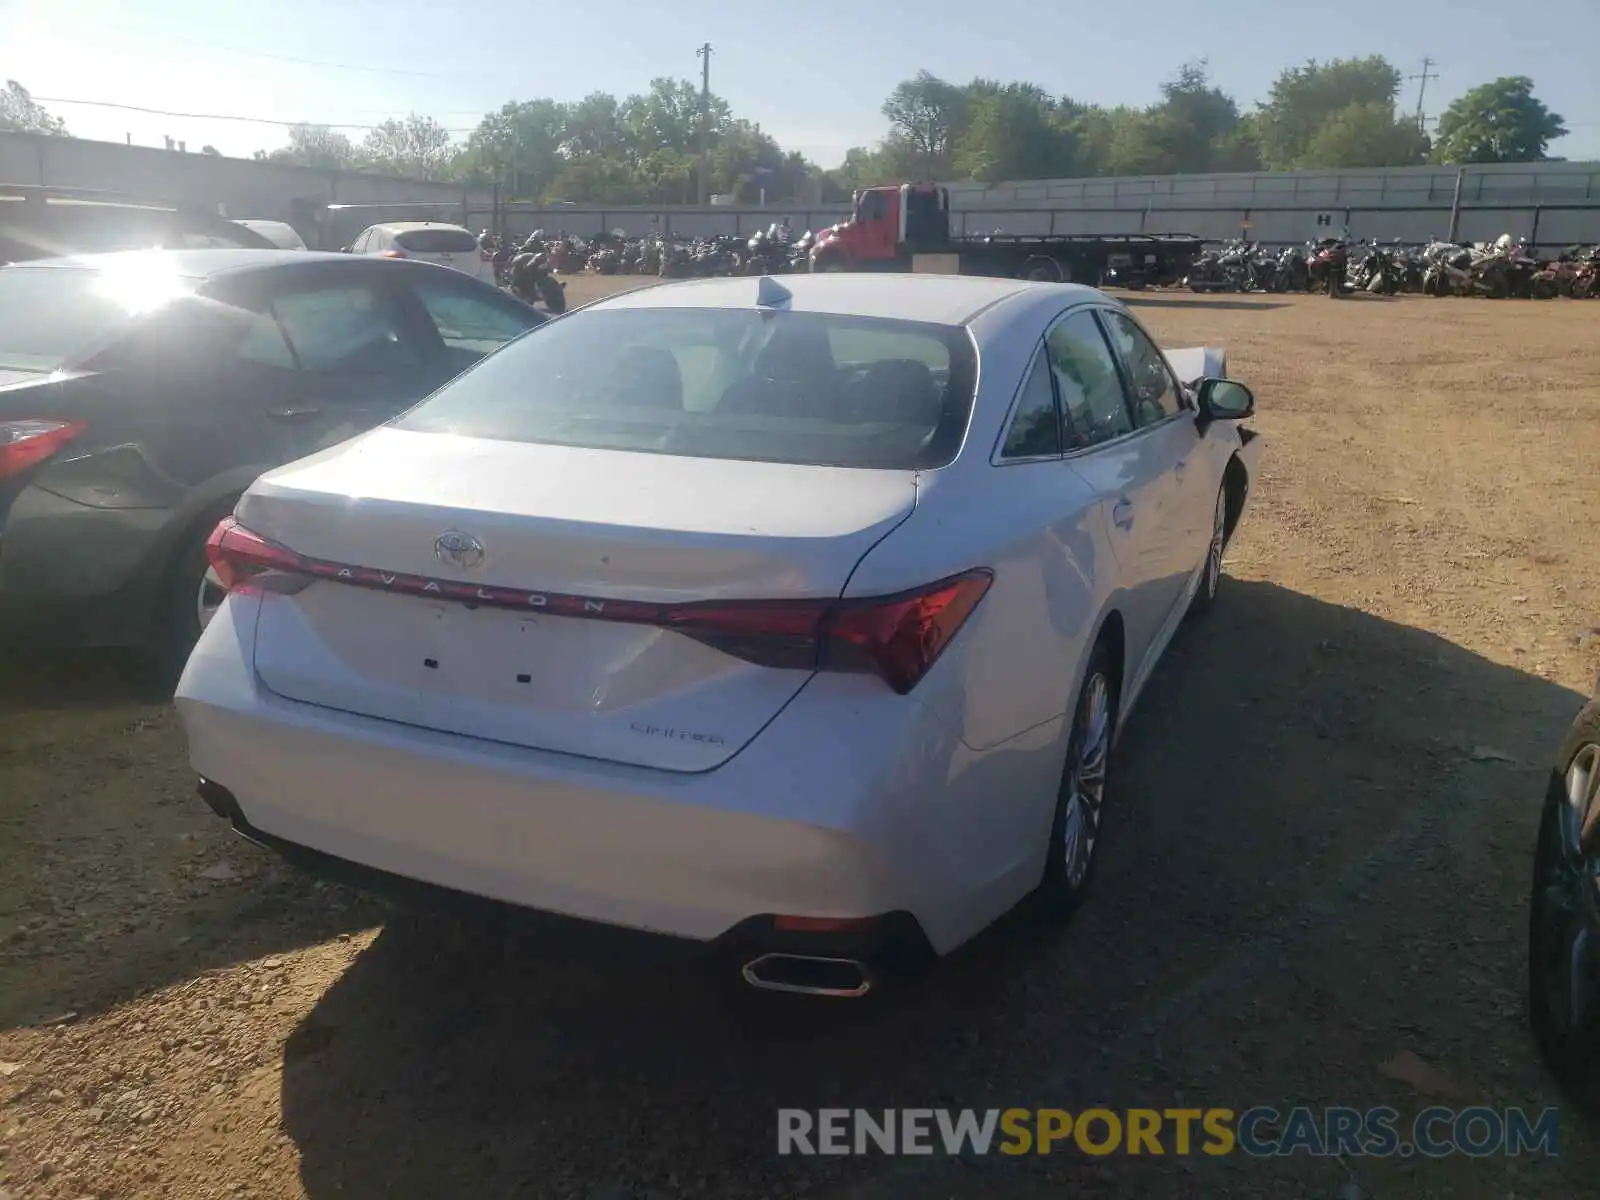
(1219, 527)
(1086, 780)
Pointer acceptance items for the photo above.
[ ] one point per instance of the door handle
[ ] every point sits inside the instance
(308, 410)
(1122, 514)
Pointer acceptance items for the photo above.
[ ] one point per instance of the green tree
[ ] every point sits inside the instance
(21, 113)
(316, 146)
(417, 147)
(1014, 132)
(1185, 128)
(1304, 98)
(926, 115)
(518, 146)
(1365, 135)
(1501, 121)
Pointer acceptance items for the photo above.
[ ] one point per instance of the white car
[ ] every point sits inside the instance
(796, 617)
(452, 246)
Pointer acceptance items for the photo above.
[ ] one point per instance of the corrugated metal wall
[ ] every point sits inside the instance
(1553, 204)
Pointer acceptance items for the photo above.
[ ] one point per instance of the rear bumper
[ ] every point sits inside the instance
(856, 832)
(887, 944)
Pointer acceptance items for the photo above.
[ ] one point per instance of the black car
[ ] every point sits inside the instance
(1564, 910)
(141, 392)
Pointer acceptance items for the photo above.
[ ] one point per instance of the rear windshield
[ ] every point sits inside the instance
(809, 388)
(50, 316)
(436, 241)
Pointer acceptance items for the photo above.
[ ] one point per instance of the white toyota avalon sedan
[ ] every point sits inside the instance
(797, 617)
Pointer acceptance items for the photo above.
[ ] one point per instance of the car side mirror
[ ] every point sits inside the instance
(344, 249)
(1224, 400)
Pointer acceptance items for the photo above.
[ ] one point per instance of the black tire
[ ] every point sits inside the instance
(177, 619)
(1041, 268)
(553, 294)
(1205, 596)
(1067, 876)
(1565, 900)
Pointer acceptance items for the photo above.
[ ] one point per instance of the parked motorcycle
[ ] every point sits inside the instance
(1325, 266)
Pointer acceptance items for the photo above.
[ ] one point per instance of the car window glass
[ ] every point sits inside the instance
(1093, 407)
(437, 241)
(1035, 426)
(1155, 394)
(467, 322)
(345, 328)
(729, 383)
(264, 343)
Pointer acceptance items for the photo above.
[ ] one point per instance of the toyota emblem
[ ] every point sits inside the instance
(456, 549)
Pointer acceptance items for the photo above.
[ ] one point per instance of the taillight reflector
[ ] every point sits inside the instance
(896, 637)
(393, 254)
(27, 442)
(238, 555)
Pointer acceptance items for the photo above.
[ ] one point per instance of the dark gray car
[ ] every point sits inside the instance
(140, 393)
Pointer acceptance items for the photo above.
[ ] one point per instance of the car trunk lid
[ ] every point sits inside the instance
(508, 591)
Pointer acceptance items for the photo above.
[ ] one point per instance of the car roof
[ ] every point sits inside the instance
(937, 299)
(190, 264)
(407, 226)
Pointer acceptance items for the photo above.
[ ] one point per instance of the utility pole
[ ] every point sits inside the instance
(704, 54)
(1422, 88)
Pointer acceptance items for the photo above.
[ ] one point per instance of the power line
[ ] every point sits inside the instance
(291, 58)
(192, 116)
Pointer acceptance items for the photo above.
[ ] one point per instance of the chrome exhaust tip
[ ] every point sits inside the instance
(808, 975)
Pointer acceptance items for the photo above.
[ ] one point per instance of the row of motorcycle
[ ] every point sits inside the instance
(1496, 270)
(775, 250)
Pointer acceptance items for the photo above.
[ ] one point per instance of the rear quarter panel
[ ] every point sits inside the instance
(1014, 663)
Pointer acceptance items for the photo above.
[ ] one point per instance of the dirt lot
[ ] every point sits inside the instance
(1318, 861)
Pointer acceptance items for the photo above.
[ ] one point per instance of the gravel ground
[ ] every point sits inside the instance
(1318, 861)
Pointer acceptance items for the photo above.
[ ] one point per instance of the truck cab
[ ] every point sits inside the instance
(889, 224)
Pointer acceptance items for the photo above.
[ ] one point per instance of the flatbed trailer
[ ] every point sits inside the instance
(906, 227)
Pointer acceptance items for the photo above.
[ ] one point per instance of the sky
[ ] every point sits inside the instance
(813, 76)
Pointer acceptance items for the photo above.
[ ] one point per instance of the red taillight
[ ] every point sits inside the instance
(393, 254)
(31, 440)
(238, 555)
(896, 637)
(900, 637)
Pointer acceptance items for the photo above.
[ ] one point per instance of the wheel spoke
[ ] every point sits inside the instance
(1578, 815)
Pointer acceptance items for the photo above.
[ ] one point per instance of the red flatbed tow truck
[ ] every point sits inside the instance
(906, 227)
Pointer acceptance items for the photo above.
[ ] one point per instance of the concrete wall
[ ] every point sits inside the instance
(244, 187)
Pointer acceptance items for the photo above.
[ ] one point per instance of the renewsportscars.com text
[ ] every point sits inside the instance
(1259, 1132)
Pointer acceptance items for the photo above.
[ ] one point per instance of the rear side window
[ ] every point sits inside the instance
(1093, 407)
(1035, 428)
(808, 388)
(348, 329)
(436, 241)
(472, 323)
